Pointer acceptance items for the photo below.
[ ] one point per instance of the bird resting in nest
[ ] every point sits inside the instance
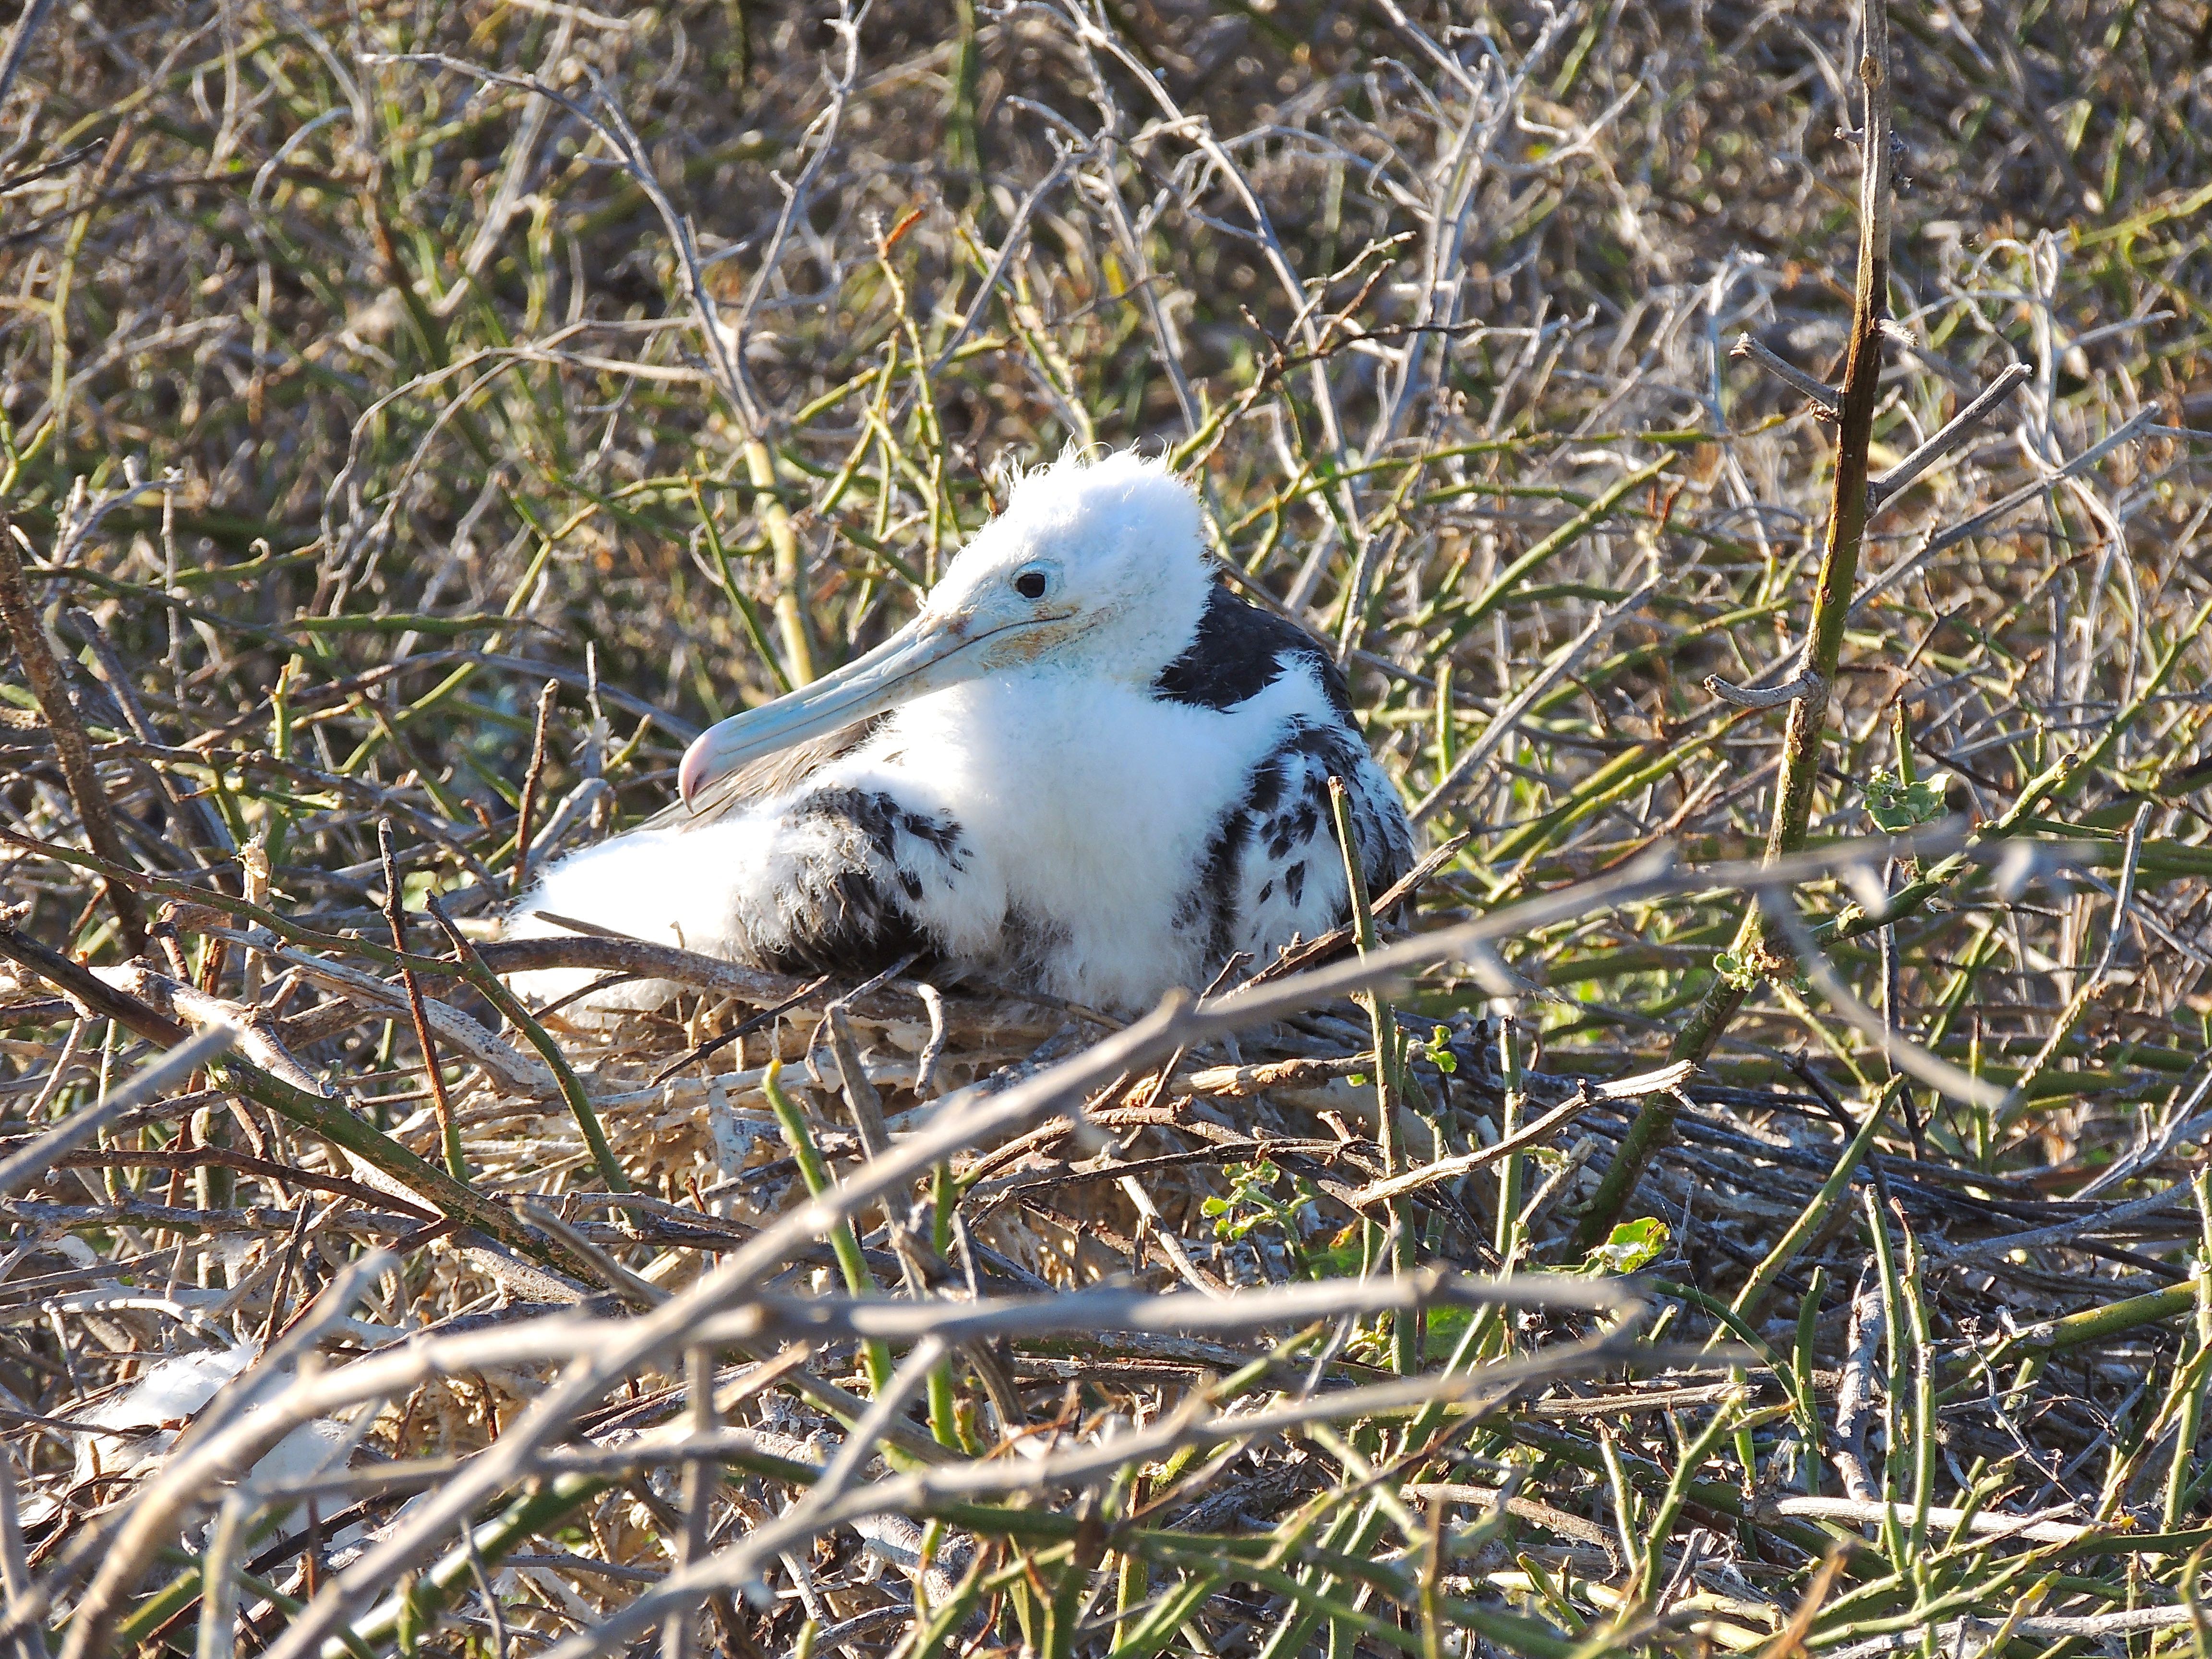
(1086, 768)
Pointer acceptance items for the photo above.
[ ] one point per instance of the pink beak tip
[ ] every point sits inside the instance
(687, 775)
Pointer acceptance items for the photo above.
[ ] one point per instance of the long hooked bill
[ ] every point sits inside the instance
(927, 654)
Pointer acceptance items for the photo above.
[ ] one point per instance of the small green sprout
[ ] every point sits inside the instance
(1897, 806)
(1736, 971)
(1252, 1205)
(1437, 1051)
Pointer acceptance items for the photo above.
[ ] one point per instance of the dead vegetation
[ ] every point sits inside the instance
(420, 419)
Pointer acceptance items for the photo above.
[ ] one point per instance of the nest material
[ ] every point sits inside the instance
(1147, 1179)
(301, 520)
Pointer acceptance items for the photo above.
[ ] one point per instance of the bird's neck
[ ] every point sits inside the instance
(1133, 644)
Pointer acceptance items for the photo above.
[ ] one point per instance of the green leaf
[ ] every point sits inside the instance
(1632, 1245)
(1896, 807)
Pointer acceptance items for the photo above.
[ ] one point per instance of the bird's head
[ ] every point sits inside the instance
(1094, 568)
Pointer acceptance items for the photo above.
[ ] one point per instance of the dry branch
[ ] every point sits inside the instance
(1804, 739)
(44, 676)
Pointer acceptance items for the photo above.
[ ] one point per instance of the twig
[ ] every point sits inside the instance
(1801, 685)
(638, 1292)
(257, 1033)
(2005, 1111)
(572, 1088)
(87, 628)
(1154, 1227)
(823, 131)
(172, 1067)
(1397, 1235)
(1980, 1523)
(1944, 540)
(745, 1028)
(19, 43)
(527, 807)
(522, 1074)
(15, 1568)
(1167, 341)
(698, 1490)
(933, 1050)
(1948, 436)
(1854, 1393)
(1802, 740)
(193, 1220)
(45, 678)
(2063, 1234)
(1904, 1055)
(395, 916)
(1009, 246)
(1503, 724)
(1532, 1134)
(2033, 1627)
(1826, 399)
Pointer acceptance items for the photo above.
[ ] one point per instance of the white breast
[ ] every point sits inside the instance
(1087, 808)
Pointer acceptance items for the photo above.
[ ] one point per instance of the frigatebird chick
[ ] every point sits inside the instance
(1086, 767)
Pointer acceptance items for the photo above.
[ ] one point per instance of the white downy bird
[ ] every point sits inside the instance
(1086, 767)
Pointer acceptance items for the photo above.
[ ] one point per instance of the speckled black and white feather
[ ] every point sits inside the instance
(1258, 887)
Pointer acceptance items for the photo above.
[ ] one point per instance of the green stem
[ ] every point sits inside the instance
(844, 1242)
(1814, 1215)
(572, 1086)
(1508, 1123)
(1405, 1349)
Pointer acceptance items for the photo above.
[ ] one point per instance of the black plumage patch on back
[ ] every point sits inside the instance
(1239, 651)
(1259, 857)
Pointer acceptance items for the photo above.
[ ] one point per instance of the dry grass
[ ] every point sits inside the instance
(354, 391)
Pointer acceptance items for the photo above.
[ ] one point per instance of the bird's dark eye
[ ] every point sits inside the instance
(1030, 584)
